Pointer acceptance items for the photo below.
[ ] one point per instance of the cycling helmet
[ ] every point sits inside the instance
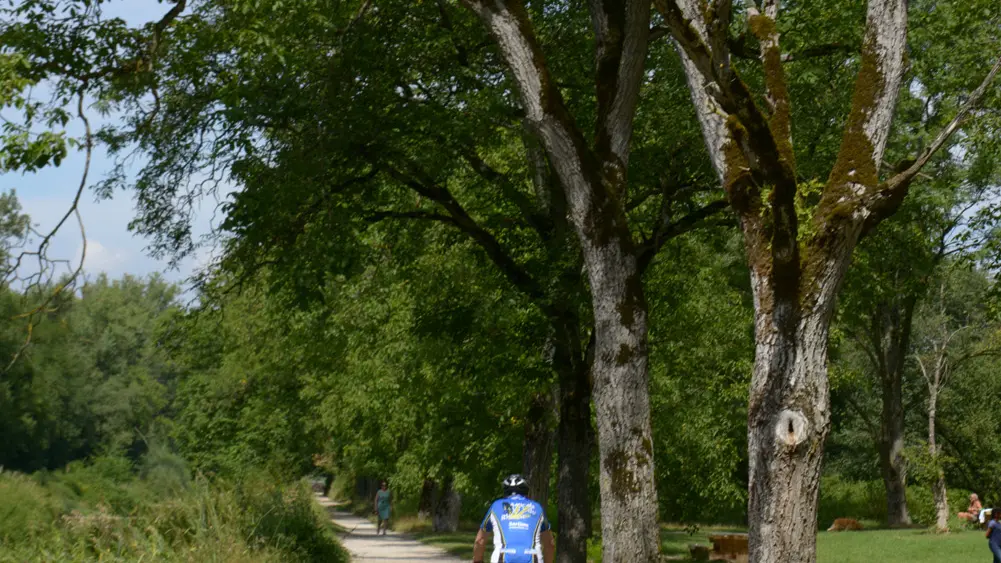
(515, 484)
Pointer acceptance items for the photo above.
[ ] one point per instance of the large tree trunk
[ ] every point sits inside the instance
(537, 453)
(447, 504)
(892, 465)
(426, 504)
(595, 181)
(788, 421)
(574, 470)
(629, 527)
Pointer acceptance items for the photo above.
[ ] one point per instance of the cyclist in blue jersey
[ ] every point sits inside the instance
(520, 530)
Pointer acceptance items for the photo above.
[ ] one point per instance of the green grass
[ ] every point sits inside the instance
(893, 546)
(885, 546)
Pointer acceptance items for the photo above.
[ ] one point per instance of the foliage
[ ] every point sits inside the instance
(102, 511)
(94, 378)
(352, 316)
(700, 358)
(866, 501)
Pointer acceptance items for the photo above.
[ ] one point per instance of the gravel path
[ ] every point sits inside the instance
(367, 547)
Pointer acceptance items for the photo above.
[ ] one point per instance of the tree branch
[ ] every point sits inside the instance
(427, 215)
(457, 216)
(890, 194)
(620, 52)
(510, 191)
(972, 102)
(866, 419)
(749, 151)
(73, 210)
(668, 230)
(161, 26)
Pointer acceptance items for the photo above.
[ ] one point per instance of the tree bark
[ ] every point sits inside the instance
(630, 531)
(788, 421)
(574, 465)
(938, 487)
(447, 504)
(892, 341)
(594, 182)
(537, 454)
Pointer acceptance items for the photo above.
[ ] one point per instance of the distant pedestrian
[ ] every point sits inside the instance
(382, 506)
(994, 534)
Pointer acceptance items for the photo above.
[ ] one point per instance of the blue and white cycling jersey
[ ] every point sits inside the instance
(517, 523)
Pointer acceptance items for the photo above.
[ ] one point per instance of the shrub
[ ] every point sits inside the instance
(97, 512)
(27, 509)
(287, 519)
(866, 500)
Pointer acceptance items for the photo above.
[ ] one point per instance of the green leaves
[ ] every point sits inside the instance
(95, 379)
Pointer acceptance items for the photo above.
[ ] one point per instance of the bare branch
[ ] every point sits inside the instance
(904, 178)
(924, 370)
(41, 253)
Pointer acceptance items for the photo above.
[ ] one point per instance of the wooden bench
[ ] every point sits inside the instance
(728, 547)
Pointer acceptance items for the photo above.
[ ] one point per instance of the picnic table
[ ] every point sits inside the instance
(728, 547)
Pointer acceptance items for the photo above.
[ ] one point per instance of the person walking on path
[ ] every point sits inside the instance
(994, 534)
(521, 532)
(382, 506)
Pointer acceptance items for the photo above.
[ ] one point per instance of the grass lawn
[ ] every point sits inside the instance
(883, 546)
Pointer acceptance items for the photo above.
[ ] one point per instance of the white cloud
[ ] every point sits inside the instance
(100, 258)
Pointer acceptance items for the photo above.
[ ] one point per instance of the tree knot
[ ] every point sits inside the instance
(791, 428)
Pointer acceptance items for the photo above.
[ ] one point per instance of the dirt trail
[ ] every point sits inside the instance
(367, 547)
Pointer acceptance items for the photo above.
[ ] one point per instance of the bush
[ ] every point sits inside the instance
(287, 519)
(164, 472)
(96, 512)
(27, 510)
(861, 500)
(866, 500)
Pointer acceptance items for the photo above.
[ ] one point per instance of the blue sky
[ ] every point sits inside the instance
(111, 248)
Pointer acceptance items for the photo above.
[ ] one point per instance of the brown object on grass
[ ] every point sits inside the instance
(699, 552)
(845, 524)
(729, 547)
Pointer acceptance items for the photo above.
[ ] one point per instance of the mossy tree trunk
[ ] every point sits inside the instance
(788, 420)
(797, 257)
(594, 182)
